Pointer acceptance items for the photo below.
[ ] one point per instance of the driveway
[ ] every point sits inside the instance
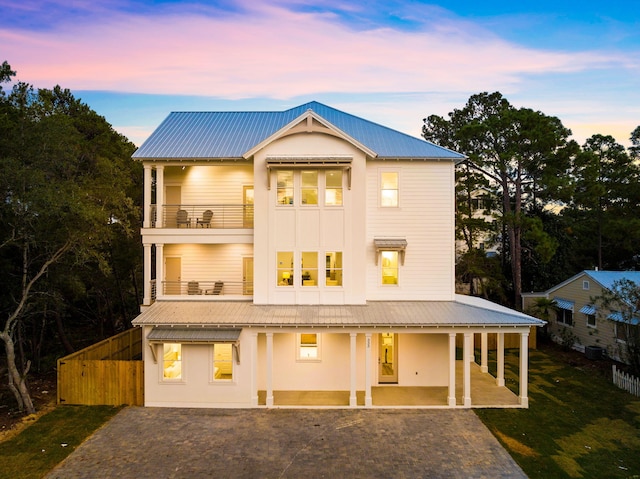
(290, 443)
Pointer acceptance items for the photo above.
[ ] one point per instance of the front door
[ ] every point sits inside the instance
(388, 358)
(247, 275)
(172, 275)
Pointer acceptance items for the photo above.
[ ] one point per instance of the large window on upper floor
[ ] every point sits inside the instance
(309, 267)
(389, 267)
(333, 264)
(333, 188)
(309, 187)
(389, 187)
(285, 187)
(285, 268)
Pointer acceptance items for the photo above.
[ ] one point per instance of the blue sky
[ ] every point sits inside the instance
(393, 62)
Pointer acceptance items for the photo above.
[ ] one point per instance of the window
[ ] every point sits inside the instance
(389, 189)
(333, 264)
(565, 316)
(333, 188)
(621, 332)
(285, 187)
(309, 269)
(309, 180)
(172, 361)
(585, 285)
(389, 267)
(591, 320)
(308, 346)
(285, 268)
(223, 362)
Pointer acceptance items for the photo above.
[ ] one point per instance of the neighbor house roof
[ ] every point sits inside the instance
(464, 311)
(231, 135)
(606, 279)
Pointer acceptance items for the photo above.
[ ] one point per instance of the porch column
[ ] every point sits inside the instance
(254, 369)
(472, 354)
(500, 358)
(353, 400)
(159, 270)
(159, 196)
(466, 393)
(146, 205)
(451, 399)
(269, 369)
(524, 368)
(146, 287)
(484, 363)
(368, 400)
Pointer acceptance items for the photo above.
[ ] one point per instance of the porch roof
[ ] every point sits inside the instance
(464, 311)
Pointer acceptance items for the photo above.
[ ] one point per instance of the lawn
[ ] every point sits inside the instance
(45, 443)
(578, 423)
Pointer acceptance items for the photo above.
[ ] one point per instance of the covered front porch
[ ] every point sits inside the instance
(484, 394)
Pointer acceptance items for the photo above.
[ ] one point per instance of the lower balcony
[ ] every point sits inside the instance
(215, 216)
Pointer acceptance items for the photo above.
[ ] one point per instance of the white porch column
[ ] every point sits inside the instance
(353, 400)
(159, 270)
(254, 369)
(368, 400)
(484, 343)
(524, 368)
(146, 205)
(159, 196)
(451, 399)
(500, 358)
(269, 369)
(472, 346)
(146, 287)
(466, 393)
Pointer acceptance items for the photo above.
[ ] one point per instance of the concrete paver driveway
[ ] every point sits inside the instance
(290, 443)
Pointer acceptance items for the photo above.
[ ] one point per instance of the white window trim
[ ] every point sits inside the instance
(585, 285)
(318, 358)
(182, 378)
(592, 326)
(212, 359)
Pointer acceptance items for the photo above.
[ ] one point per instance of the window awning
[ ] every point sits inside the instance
(564, 303)
(160, 335)
(390, 244)
(589, 310)
(617, 316)
(310, 162)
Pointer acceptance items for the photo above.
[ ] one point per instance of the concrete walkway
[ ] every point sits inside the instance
(286, 443)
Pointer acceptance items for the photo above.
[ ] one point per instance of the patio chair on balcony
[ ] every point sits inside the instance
(217, 288)
(206, 219)
(182, 218)
(193, 287)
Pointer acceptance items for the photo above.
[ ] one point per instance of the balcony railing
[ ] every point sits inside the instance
(207, 288)
(204, 216)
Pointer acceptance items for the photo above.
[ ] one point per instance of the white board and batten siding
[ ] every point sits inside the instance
(425, 218)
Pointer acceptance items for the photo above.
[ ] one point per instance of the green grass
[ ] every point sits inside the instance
(44, 444)
(578, 423)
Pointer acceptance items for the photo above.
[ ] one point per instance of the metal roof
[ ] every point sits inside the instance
(608, 278)
(232, 134)
(564, 303)
(464, 311)
(194, 335)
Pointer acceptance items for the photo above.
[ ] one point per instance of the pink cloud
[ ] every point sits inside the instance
(273, 52)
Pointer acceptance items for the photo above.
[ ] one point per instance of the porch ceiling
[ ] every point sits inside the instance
(463, 312)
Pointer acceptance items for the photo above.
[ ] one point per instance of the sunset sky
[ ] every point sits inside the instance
(393, 62)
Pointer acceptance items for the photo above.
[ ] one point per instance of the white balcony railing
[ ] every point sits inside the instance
(207, 288)
(204, 216)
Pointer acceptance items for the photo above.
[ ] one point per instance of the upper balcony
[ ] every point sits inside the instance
(203, 216)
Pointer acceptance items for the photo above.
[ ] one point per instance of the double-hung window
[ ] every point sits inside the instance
(285, 187)
(172, 361)
(333, 188)
(333, 266)
(309, 187)
(309, 268)
(389, 189)
(285, 268)
(308, 346)
(222, 362)
(389, 267)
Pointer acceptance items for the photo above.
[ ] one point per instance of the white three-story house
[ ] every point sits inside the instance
(306, 257)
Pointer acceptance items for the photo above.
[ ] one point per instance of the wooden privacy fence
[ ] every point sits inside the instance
(107, 373)
(626, 382)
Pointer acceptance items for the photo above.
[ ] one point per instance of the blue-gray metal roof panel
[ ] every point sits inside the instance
(232, 134)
